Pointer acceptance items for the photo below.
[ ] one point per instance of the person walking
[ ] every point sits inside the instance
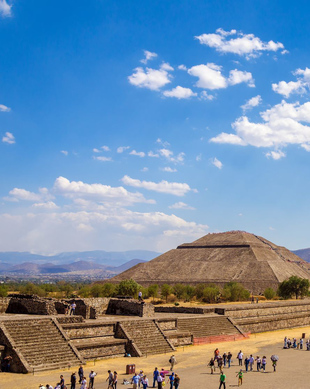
(155, 375)
(264, 362)
(301, 343)
(62, 382)
(222, 381)
(229, 357)
(240, 357)
(115, 380)
(246, 363)
(240, 377)
(171, 380)
(84, 383)
(135, 381)
(160, 380)
(251, 361)
(172, 362)
(92, 376)
(145, 382)
(81, 374)
(224, 359)
(73, 380)
(72, 308)
(176, 381)
(212, 365)
(258, 363)
(110, 379)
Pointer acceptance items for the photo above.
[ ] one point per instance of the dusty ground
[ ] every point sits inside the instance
(292, 370)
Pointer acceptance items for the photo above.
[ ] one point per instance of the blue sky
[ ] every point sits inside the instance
(143, 125)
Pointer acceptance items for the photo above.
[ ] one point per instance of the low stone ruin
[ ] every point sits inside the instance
(130, 307)
(31, 305)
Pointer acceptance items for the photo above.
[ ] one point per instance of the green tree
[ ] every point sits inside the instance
(31, 288)
(108, 289)
(3, 290)
(294, 286)
(153, 291)
(84, 291)
(189, 292)
(199, 291)
(269, 293)
(233, 291)
(128, 288)
(165, 291)
(210, 294)
(96, 290)
(179, 290)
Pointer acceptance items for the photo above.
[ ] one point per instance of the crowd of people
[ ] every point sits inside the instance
(247, 363)
(288, 343)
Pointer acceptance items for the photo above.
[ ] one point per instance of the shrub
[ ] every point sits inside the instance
(153, 291)
(128, 288)
(233, 291)
(210, 294)
(269, 293)
(179, 290)
(189, 292)
(165, 291)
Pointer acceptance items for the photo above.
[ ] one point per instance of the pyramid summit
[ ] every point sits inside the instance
(219, 258)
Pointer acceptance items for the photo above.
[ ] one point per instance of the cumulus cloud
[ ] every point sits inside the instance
(145, 169)
(8, 138)
(174, 188)
(275, 154)
(247, 45)
(152, 154)
(153, 79)
(168, 169)
(4, 108)
(286, 88)
(181, 205)
(217, 163)
(105, 148)
(121, 149)
(169, 155)
(140, 154)
(253, 102)
(103, 159)
(238, 76)
(19, 194)
(5, 9)
(180, 93)
(205, 96)
(47, 205)
(64, 152)
(148, 55)
(182, 67)
(282, 125)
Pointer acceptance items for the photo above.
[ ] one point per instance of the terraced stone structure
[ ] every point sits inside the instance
(219, 258)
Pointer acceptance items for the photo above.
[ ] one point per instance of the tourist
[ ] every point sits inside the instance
(285, 343)
(160, 380)
(110, 379)
(274, 362)
(240, 357)
(258, 363)
(212, 365)
(171, 380)
(141, 376)
(176, 381)
(240, 376)
(7, 363)
(114, 379)
(216, 353)
(145, 382)
(84, 383)
(220, 363)
(172, 362)
(251, 361)
(92, 376)
(264, 362)
(62, 382)
(81, 374)
(155, 375)
(72, 308)
(140, 296)
(246, 363)
(135, 380)
(222, 381)
(301, 342)
(294, 343)
(73, 380)
(224, 359)
(229, 356)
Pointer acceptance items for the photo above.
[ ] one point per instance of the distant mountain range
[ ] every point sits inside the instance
(102, 263)
(303, 253)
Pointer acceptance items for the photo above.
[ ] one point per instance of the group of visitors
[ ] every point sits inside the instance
(73, 381)
(220, 361)
(112, 379)
(288, 343)
(70, 309)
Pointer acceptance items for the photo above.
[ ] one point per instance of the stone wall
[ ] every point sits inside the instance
(4, 303)
(129, 307)
(88, 330)
(190, 310)
(167, 324)
(102, 351)
(178, 340)
(31, 304)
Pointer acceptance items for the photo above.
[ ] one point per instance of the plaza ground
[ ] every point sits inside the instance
(292, 369)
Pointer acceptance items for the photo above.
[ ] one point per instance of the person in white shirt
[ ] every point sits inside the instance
(92, 376)
(240, 357)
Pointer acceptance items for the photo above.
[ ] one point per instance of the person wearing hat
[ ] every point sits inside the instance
(92, 376)
(73, 380)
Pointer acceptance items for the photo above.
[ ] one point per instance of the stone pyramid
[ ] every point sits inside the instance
(219, 258)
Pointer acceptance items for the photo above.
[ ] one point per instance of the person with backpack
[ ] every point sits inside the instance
(172, 362)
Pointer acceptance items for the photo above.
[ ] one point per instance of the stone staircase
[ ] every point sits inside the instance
(40, 343)
(147, 336)
(201, 327)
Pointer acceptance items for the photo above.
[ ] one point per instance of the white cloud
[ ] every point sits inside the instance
(247, 45)
(181, 205)
(253, 102)
(23, 194)
(275, 154)
(64, 152)
(180, 93)
(205, 96)
(152, 154)
(163, 143)
(198, 157)
(166, 66)
(168, 154)
(150, 78)
(148, 55)
(182, 67)
(4, 108)
(121, 149)
(8, 138)
(145, 169)
(305, 73)
(174, 188)
(169, 169)
(140, 154)
(286, 88)
(238, 76)
(210, 76)
(5, 9)
(96, 150)
(97, 192)
(283, 124)
(105, 148)
(47, 205)
(103, 159)
(216, 163)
